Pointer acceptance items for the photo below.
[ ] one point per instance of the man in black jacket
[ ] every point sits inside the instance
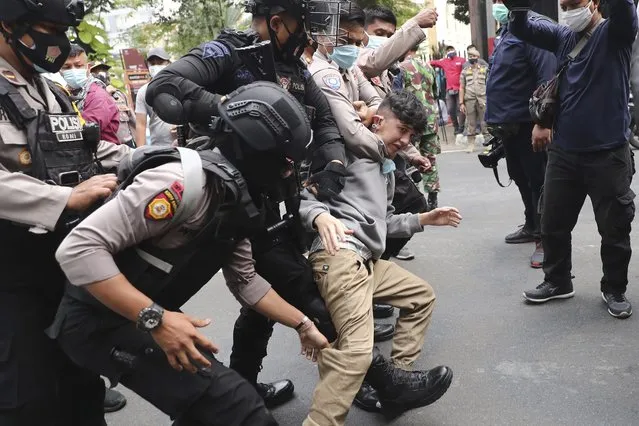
(188, 91)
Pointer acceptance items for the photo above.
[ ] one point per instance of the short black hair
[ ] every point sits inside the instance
(450, 48)
(76, 50)
(352, 15)
(470, 46)
(381, 13)
(407, 108)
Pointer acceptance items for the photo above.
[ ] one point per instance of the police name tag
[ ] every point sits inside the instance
(67, 128)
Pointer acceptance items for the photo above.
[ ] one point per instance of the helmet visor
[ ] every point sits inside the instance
(322, 20)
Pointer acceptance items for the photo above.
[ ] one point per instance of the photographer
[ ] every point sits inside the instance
(517, 69)
(590, 153)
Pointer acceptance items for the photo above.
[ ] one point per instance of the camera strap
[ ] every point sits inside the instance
(496, 173)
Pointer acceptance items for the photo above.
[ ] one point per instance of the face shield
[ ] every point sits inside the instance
(322, 21)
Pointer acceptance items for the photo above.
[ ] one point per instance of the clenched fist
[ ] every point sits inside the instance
(426, 18)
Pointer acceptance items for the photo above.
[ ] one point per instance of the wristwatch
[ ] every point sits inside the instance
(150, 318)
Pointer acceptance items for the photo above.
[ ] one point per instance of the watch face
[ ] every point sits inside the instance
(151, 323)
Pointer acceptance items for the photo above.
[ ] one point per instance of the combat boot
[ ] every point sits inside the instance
(400, 390)
(432, 201)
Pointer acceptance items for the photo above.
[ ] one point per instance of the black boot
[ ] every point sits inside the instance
(276, 393)
(383, 332)
(113, 400)
(400, 390)
(432, 201)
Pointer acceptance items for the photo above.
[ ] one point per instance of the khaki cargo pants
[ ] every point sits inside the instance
(475, 110)
(348, 284)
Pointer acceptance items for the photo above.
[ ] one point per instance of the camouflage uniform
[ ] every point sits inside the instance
(418, 77)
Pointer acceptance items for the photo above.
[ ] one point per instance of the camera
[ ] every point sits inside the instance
(490, 158)
(414, 174)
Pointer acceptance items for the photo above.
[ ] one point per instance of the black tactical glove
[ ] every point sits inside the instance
(329, 182)
(517, 5)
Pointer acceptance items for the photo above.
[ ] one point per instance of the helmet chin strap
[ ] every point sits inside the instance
(291, 49)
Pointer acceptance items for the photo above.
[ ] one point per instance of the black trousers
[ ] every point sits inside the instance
(291, 275)
(214, 396)
(406, 199)
(605, 177)
(526, 168)
(39, 385)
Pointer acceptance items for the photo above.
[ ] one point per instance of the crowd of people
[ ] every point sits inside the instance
(106, 236)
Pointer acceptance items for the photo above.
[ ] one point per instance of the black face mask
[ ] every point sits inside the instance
(472, 61)
(292, 50)
(48, 53)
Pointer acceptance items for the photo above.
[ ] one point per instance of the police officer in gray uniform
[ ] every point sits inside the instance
(47, 180)
(178, 217)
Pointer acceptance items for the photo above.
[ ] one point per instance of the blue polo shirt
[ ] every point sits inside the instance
(594, 90)
(517, 69)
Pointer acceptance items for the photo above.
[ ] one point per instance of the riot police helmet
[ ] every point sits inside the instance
(61, 12)
(267, 120)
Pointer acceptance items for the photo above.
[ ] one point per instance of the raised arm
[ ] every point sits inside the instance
(622, 20)
(533, 28)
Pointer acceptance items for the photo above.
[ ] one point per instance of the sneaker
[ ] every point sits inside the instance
(405, 254)
(618, 305)
(522, 235)
(537, 258)
(547, 291)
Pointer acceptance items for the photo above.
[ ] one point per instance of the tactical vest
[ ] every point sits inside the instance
(59, 155)
(172, 276)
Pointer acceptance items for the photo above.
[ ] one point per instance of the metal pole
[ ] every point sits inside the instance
(479, 25)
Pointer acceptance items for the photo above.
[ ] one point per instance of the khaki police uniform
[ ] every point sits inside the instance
(142, 215)
(374, 63)
(473, 83)
(31, 364)
(342, 88)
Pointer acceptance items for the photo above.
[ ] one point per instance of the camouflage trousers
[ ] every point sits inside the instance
(429, 147)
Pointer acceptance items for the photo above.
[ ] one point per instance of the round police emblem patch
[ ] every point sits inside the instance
(24, 157)
(333, 81)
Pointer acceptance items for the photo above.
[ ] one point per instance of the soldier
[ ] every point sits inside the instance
(178, 217)
(472, 95)
(418, 77)
(46, 183)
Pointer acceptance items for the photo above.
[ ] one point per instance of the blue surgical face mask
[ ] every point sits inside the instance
(345, 56)
(388, 166)
(75, 77)
(500, 13)
(375, 41)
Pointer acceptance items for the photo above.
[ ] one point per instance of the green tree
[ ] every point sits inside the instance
(462, 12)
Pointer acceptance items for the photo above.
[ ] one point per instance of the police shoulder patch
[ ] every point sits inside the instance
(165, 203)
(215, 49)
(333, 81)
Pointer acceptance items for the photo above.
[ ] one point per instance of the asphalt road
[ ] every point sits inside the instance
(562, 363)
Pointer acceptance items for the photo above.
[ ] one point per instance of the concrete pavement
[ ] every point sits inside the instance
(562, 363)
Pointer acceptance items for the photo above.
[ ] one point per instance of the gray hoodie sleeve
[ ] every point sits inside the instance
(310, 208)
(634, 73)
(399, 225)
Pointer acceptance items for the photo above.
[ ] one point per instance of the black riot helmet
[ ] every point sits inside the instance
(62, 12)
(267, 119)
(306, 12)
(270, 133)
(49, 49)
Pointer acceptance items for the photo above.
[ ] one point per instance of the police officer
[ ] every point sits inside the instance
(178, 217)
(46, 169)
(472, 96)
(201, 78)
(517, 69)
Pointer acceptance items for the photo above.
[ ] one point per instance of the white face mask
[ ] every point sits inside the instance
(155, 69)
(578, 19)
